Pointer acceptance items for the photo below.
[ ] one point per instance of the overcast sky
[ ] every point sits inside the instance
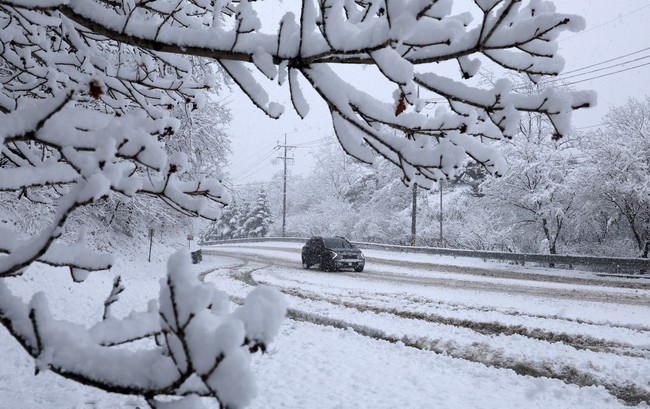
(616, 30)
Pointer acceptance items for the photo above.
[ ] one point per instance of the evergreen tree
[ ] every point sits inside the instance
(238, 221)
(228, 226)
(259, 219)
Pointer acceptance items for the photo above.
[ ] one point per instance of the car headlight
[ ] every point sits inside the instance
(333, 255)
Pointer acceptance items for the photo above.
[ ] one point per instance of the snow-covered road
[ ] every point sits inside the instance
(567, 331)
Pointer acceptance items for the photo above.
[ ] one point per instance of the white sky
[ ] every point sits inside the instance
(614, 29)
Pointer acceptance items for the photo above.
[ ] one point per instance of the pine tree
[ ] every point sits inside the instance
(228, 226)
(259, 219)
(238, 221)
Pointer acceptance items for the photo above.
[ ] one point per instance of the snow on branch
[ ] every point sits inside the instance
(398, 37)
(204, 348)
(88, 90)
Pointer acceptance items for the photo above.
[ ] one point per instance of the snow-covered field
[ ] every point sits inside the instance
(411, 331)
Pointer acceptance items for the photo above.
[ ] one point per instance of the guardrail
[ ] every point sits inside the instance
(561, 259)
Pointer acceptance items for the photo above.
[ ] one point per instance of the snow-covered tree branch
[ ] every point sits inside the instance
(401, 39)
(88, 90)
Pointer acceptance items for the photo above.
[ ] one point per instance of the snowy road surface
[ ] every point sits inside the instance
(424, 331)
(411, 331)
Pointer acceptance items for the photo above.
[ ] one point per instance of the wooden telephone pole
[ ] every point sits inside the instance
(414, 213)
(285, 158)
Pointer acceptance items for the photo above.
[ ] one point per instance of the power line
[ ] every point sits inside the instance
(330, 143)
(563, 76)
(255, 167)
(259, 161)
(251, 173)
(608, 74)
(253, 184)
(303, 144)
(588, 126)
(606, 61)
(253, 159)
(258, 164)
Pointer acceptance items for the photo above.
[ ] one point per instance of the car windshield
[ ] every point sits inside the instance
(337, 243)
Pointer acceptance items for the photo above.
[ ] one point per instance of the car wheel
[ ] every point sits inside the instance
(358, 269)
(305, 264)
(324, 266)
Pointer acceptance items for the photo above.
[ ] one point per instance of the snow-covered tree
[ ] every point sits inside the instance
(385, 216)
(394, 36)
(335, 174)
(202, 137)
(616, 185)
(87, 88)
(259, 219)
(239, 219)
(536, 195)
(344, 197)
(227, 226)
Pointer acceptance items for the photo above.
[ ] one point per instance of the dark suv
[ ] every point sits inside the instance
(331, 254)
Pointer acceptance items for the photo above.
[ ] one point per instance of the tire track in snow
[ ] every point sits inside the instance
(564, 294)
(202, 274)
(629, 394)
(513, 275)
(638, 328)
(583, 342)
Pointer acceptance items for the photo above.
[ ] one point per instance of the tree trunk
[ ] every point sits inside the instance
(551, 243)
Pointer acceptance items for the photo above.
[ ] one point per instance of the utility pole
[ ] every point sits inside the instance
(414, 211)
(284, 159)
(440, 183)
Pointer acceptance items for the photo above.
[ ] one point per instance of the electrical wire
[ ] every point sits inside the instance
(258, 161)
(563, 76)
(608, 74)
(253, 158)
(330, 143)
(588, 126)
(606, 61)
(255, 167)
(254, 184)
(574, 73)
(315, 141)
